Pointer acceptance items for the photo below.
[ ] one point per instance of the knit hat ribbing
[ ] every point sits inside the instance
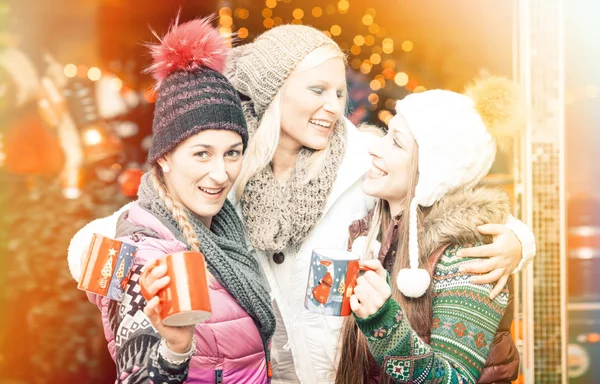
(456, 150)
(259, 69)
(192, 93)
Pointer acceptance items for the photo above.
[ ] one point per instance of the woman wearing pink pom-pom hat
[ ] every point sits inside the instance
(199, 136)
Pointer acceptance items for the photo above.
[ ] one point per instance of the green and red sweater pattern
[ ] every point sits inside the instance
(465, 321)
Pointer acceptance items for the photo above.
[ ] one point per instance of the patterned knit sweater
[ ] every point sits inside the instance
(464, 323)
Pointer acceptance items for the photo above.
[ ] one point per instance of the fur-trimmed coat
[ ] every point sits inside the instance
(453, 221)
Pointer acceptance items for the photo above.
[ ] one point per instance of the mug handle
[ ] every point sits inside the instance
(350, 288)
(142, 280)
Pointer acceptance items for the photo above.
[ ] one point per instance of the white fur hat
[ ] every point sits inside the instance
(456, 150)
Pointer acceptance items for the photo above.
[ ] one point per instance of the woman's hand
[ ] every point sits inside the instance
(503, 256)
(371, 291)
(178, 339)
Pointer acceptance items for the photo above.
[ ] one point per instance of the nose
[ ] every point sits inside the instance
(333, 104)
(374, 149)
(218, 173)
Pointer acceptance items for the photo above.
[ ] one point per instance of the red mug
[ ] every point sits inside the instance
(185, 300)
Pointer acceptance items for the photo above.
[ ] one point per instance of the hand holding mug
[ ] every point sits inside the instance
(178, 339)
(371, 291)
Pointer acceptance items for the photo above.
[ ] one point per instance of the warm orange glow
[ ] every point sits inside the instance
(593, 338)
(268, 23)
(271, 3)
(343, 6)
(317, 12)
(355, 50)
(374, 28)
(366, 67)
(356, 63)
(407, 46)
(267, 12)
(242, 33)
(401, 79)
(371, 12)
(92, 137)
(225, 11)
(298, 13)
(411, 85)
(70, 70)
(367, 20)
(375, 85)
(389, 64)
(117, 84)
(94, 74)
(226, 21)
(419, 88)
(243, 13)
(389, 73)
(375, 58)
(336, 30)
(373, 98)
(359, 40)
(369, 40)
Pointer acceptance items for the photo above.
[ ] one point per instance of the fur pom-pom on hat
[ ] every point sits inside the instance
(192, 93)
(500, 105)
(187, 47)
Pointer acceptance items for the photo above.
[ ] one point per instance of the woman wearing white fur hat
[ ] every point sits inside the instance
(432, 323)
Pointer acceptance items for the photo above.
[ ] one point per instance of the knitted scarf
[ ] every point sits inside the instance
(278, 217)
(227, 257)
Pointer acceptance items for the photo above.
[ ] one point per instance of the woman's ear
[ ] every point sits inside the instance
(163, 165)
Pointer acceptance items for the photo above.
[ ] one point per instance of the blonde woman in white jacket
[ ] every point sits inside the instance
(300, 188)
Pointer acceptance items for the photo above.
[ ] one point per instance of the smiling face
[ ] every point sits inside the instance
(201, 170)
(389, 176)
(312, 101)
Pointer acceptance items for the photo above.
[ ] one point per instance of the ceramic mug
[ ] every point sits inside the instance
(185, 300)
(331, 281)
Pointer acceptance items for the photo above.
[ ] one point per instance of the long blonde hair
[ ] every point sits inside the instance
(263, 144)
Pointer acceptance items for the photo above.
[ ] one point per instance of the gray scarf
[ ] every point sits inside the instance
(276, 217)
(227, 257)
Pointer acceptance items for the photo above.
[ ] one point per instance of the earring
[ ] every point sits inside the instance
(165, 168)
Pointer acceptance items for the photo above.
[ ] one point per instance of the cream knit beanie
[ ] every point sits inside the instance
(259, 69)
(456, 150)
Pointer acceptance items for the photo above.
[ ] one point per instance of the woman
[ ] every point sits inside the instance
(423, 173)
(300, 185)
(199, 135)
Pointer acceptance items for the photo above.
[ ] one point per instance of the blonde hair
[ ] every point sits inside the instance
(177, 209)
(263, 144)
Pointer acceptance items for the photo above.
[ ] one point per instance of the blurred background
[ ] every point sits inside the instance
(75, 124)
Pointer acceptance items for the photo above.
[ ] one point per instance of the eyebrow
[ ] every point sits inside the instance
(326, 82)
(207, 146)
(399, 135)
